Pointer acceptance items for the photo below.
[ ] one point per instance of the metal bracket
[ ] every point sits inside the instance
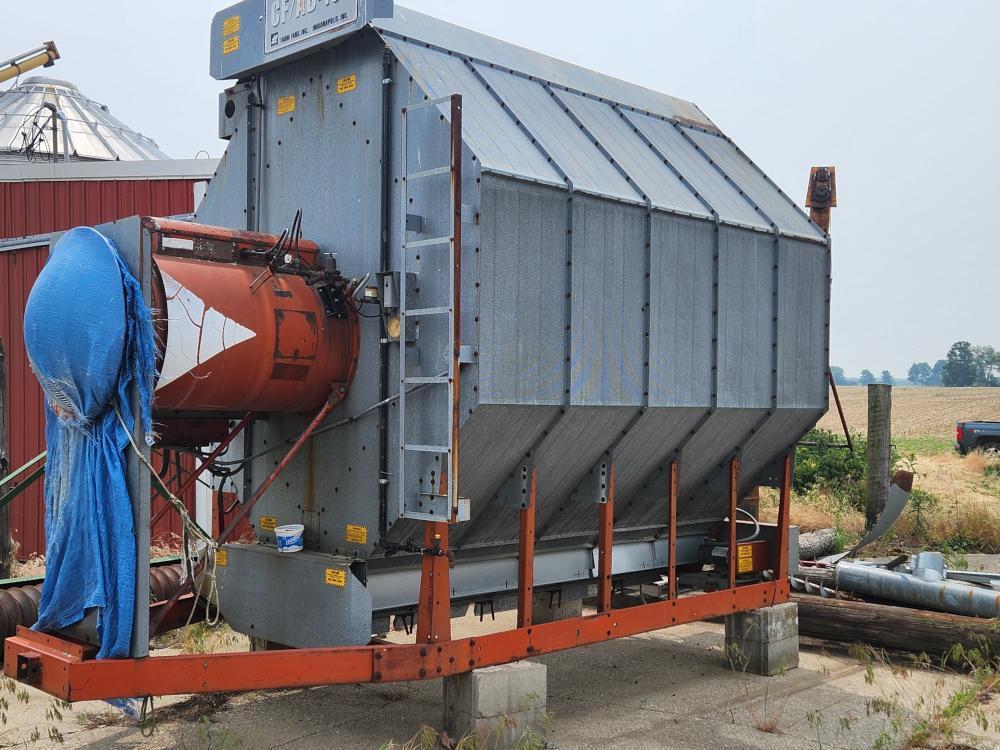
(29, 668)
(594, 486)
(466, 355)
(514, 492)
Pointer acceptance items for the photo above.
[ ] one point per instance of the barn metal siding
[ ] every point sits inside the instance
(30, 208)
(38, 208)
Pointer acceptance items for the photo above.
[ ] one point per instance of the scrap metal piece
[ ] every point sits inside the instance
(947, 596)
(899, 494)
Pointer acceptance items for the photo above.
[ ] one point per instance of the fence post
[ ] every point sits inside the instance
(879, 447)
(6, 543)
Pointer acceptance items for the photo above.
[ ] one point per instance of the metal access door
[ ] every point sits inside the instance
(429, 297)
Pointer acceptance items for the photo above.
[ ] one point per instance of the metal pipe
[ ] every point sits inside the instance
(948, 596)
(43, 57)
(57, 113)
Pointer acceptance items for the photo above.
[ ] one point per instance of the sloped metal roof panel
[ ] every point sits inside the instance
(531, 116)
(569, 147)
(752, 181)
(488, 130)
(724, 198)
(617, 137)
(412, 25)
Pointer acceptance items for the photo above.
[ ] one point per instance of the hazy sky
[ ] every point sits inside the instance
(903, 97)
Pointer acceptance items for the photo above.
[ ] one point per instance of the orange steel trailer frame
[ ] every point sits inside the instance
(66, 668)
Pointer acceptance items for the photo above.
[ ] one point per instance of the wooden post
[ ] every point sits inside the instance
(879, 446)
(6, 543)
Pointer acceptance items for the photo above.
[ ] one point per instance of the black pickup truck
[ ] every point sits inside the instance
(972, 435)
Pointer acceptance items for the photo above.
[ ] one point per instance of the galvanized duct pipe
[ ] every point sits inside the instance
(948, 596)
(19, 604)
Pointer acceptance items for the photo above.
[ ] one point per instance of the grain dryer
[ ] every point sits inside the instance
(496, 330)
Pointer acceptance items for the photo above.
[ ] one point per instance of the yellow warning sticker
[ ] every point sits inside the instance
(356, 534)
(268, 523)
(335, 577)
(231, 25)
(744, 558)
(286, 104)
(230, 44)
(222, 558)
(347, 83)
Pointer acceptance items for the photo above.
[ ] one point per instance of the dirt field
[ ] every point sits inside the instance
(918, 412)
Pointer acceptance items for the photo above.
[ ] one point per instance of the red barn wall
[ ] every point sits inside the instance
(30, 208)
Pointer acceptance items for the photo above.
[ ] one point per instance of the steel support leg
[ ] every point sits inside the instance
(734, 497)
(781, 564)
(526, 557)
(672, 532)
(604, 542)
(434, 607)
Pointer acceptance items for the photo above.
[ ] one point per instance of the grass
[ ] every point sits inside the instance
(926, 445)
(954, 506)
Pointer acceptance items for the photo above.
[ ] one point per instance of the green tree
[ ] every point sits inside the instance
(920, 373)
(937, 372)
(839, 377)
(960, 367)
(867, 377)
(886, 377)
(988, 364)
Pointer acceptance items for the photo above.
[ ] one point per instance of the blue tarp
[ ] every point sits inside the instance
(89, 338)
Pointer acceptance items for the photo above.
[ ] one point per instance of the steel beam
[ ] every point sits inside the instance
(526, 557)
(63, 668)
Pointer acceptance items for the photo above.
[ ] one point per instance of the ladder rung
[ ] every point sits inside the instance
(427, 311)
(425, 243)
(426, 379)
(429, 173)
(427, 448)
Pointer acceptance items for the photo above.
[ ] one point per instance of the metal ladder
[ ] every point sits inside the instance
(428, 466)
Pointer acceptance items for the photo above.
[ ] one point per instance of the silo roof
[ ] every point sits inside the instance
(93, 132)
(534, 117)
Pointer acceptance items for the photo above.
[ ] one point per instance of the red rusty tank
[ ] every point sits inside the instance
(238, 335)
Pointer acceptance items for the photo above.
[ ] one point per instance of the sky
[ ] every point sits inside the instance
(902, 96)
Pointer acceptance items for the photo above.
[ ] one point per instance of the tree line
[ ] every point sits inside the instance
(965, 365)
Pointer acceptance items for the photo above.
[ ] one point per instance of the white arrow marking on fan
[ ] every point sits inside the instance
(194, 334)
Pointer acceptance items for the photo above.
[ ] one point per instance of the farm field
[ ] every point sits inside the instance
(917, 412)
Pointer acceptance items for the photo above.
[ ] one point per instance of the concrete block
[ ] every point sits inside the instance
(503, 705)
(764, 641)
(549, 606)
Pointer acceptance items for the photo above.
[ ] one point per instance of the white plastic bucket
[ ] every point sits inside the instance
(289, 537)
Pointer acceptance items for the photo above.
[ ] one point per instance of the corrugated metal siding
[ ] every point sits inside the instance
(26, 418)
(29, 208)
(608, 331)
